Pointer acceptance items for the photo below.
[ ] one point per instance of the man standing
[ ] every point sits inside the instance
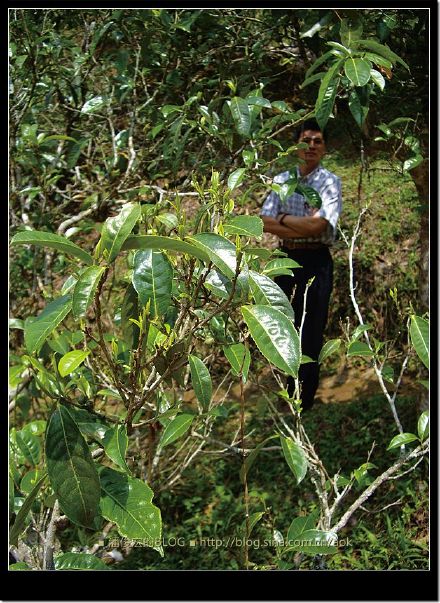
(306, 234)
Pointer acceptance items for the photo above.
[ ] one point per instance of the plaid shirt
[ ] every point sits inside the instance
(326, 184)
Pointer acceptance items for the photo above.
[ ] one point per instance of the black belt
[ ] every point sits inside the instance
(289, 244)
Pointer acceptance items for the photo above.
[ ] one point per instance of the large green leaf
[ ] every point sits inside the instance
(419, 333)
(327, 94)
(236, 178)
(241, 115)
(266, 292)
(20, 520)
(381, 50)
(280, 266)
(115, 444)
(126, 501)
(176, 429)
(220, 251)
(79, 561)
(249, 226)
(116, 229)
(201, 381)
(358, 71)
(275, 336)
(295, 458)
(72, 472)
(47, 239)
(239, 358)
(71, 361)
(37, 331)
(84, 290)
(168, 243)
(153, 280)
(358, 348)
(378, 79)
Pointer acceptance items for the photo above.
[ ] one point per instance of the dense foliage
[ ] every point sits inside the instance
(142, 143)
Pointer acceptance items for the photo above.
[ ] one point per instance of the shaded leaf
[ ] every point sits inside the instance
(300, 524)
(419, 333)
(401, 439)
(250, 459)
(423, 426)
(329, 348)
(168, 243)
(37, 331)
(126, 501)
(236, 178)
(79, 561)
(239, 358)
(115, 444)
(357, 348)
(20, 520)
(72, 472)
(241, 115)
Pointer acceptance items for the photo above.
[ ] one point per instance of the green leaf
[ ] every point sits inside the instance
(79, 561)
(16, 323)
(358, 71)
(423, 426)
(239, 358)
(419, 333)
(381, 50)
(266, 292)
(168, 243)
(236, 178)
(72, 472)
(57, 137)
(329, 348)
(358, 111)
(126, 501)
(300, 525)
(153, 280)
(249, 226)
(241, 115)
(115, 444)
(29, 445)
(71, 361)
(412, 162)
(295, 458)
(378, 60)
(250, 459)
(357, 348)
(280, 266)
(116, 230)
(220, 251)
(47, 239)
(93, 105)
(176, 429)
(29, 480)
(20, 566)
(359, 330)
(201, 381)
(20, 520)
(345, 51)
(170, 220)
(327, 95)
(401, 439)
(312, 196)
(84, 290)
(37, 331)
(378, 79)
(275, 336)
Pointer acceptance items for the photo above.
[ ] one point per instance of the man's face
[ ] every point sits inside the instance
(316, 147)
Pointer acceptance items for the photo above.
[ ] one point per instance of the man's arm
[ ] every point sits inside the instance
(295, 227)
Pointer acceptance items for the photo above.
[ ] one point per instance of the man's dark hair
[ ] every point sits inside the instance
(310, 124)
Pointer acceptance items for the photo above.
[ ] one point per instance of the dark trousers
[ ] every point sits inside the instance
(316, 263)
